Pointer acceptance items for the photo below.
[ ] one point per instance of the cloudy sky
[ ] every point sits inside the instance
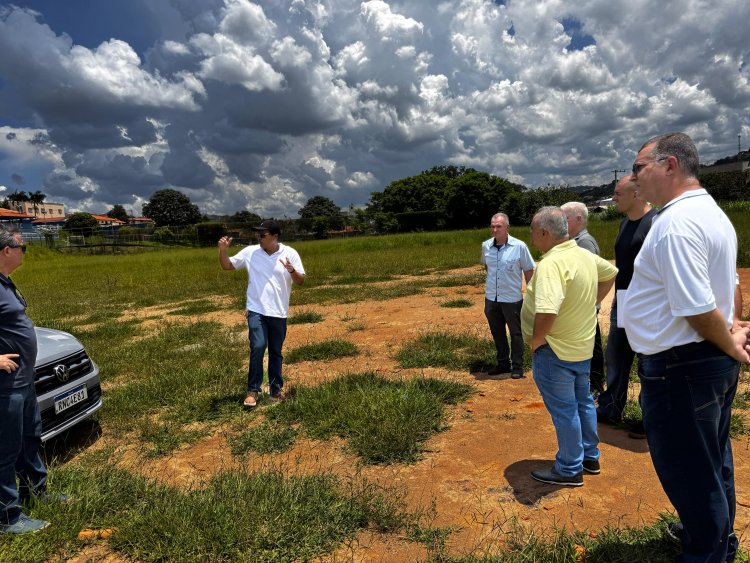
(262, 105)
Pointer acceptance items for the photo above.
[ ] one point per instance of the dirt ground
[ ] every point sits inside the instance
(474, 475)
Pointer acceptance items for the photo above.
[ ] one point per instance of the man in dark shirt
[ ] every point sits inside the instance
(20, 422)
(619, 355)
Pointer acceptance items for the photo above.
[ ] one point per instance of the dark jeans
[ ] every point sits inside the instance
(499, 315)
(597, 362)
(265, 332)
(20, 437)
(619, 359)
(686, 396)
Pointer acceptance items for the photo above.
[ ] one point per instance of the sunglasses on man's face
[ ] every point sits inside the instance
(263, 234)
(21, 246)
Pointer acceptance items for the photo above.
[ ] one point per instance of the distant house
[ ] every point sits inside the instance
(53, 223)
(140, 222)
(107, 221)
(46, 209)
(16, 220)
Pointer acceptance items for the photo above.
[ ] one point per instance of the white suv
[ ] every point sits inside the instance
(67, 381)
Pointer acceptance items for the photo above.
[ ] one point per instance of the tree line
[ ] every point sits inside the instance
(443, 197)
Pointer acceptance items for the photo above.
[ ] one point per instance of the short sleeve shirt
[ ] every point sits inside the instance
(505, 267)
(686, 267)
(269, 284)
(565, 283)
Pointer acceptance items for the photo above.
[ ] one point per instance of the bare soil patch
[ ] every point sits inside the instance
(476, 473)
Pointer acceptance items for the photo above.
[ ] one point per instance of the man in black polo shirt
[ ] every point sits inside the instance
(20, 422)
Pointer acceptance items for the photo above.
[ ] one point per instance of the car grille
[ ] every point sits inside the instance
(78, 364)
(50, 420)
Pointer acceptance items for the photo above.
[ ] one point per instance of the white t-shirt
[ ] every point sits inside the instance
(269, 283)
(687, 266)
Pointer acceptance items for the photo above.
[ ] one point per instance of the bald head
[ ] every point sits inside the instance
(626, 199)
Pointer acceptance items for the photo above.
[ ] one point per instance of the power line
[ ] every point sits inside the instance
(616, 170)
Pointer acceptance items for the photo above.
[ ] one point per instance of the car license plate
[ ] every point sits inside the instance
(70, 398)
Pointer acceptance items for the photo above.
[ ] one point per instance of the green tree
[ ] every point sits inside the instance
(16, 197)
(321, 214)
(244, 218)
(472, 198)
(170, 207)
(36, 199)
(80, 223)
(425, 192)
(118, 212)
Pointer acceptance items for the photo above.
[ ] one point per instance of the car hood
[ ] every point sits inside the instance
(54, 344)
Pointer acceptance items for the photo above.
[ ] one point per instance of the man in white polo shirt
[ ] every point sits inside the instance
(272, 267)
(678, 316)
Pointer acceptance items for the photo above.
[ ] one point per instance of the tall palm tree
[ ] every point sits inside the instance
(36, 199)
(17, 197)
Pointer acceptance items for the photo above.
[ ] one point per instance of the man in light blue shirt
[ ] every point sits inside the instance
(507, 261)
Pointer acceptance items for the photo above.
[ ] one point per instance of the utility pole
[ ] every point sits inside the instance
(615, 171)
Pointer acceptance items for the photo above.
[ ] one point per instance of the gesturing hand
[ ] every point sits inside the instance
(288, 265)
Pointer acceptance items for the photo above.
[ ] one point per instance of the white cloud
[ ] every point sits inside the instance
(261, 105)
(233, 63)
(388, 24)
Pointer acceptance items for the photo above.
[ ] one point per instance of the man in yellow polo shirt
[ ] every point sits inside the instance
(558, 320)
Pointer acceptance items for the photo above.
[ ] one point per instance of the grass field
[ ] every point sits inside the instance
(172, 376)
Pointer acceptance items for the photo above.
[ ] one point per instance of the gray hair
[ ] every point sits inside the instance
(576, 209)
(8, 236)
(501, 215)
(553, 220)
(678, 145)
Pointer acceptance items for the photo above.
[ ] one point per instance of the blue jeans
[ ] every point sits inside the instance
(20, 437)
(498, 316)
(265, 332)
(564, 387)
(619, 358)
(686, 397)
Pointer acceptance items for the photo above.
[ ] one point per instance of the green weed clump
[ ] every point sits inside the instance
(195, 308)
(324, 351)
(383, 421)
(457, 303)
(447, 350)
(304, 317)
(649, 544)
(234, 517)
(266, 438)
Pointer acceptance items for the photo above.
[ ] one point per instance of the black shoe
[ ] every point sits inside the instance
(637, 431)
(497, 370)
(604, 419)
(517, 375)
(554, 478)
(592, 466)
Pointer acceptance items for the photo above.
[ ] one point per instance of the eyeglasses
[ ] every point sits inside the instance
(638, 166)
(21, 246)
(263, 234)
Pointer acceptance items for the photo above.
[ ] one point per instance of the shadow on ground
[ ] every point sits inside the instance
(526, 490)
(66, 446)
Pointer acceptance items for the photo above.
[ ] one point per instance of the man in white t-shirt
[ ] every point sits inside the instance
(678, 316)
(272, 267)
